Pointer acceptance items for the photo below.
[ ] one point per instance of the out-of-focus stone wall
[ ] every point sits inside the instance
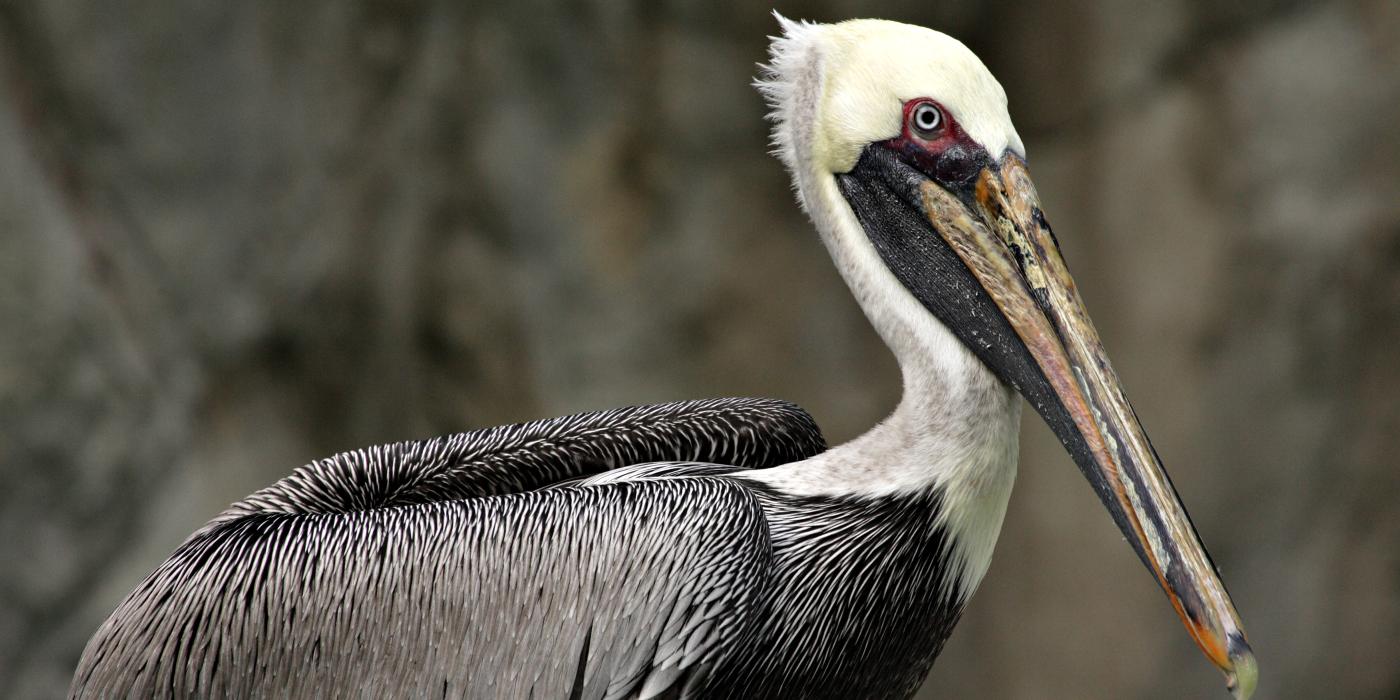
(235, 237)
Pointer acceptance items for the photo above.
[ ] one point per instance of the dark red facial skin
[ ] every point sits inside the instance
(951, 158)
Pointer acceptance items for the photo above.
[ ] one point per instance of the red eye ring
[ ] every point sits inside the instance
(932, 141)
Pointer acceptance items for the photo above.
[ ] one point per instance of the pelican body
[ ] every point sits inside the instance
(710, 548)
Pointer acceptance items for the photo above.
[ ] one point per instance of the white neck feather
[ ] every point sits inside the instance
(955, 429)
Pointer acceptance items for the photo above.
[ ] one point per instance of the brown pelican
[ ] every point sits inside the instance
(710, 548)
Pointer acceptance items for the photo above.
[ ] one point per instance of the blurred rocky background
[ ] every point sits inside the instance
(235, 237)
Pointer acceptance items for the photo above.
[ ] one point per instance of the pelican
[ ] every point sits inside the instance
(711, 548)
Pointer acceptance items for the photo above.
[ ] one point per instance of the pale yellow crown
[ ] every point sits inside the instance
(834, 88)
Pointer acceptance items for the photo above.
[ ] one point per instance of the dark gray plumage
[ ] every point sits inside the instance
(441, 567)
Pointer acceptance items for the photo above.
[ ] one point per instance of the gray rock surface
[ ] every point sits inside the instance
(235, 237)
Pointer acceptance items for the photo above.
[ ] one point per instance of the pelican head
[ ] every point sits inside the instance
(903, 153)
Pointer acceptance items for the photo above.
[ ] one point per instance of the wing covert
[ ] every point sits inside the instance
(746, 432)
(592, 592)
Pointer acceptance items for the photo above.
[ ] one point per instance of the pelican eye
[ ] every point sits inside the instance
(926, 119)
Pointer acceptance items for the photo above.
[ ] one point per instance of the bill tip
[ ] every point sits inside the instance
(1244, 674)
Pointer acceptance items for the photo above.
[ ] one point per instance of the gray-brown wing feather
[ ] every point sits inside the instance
(596, 592)
(377, 573)
(748, 432)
